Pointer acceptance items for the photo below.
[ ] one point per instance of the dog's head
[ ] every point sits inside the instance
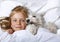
(32, 19)
(35, 19)
(4, 23)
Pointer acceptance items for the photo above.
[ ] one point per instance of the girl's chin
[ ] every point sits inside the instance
(16, 29)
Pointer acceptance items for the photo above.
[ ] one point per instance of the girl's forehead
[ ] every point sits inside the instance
(18, 15)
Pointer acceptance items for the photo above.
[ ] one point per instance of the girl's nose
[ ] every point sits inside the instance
(19, 22)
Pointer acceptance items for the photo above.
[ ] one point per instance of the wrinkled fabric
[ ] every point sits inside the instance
(18, 36)
(5, 36)
(44, 35)
(24, 36)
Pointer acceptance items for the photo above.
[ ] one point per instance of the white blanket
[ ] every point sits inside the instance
(24, 36)
(44, 36)
(4, 36)
(18, 36)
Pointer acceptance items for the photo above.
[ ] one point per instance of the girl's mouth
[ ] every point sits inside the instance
(18, 26)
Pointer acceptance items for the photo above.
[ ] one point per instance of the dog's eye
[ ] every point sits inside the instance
(34, 16)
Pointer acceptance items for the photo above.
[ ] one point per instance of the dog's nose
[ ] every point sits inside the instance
(28, 21)
(31, 23)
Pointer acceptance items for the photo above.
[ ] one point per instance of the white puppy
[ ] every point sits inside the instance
(34, 21)
(32, 24)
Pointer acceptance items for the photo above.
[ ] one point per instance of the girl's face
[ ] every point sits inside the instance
(18, 21)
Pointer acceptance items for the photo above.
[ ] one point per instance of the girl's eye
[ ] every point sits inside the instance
(23, 20)
(14, 20)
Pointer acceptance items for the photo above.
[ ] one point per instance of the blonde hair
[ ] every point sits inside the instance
(18, 9)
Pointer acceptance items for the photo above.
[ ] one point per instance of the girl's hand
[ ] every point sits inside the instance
(10, 31)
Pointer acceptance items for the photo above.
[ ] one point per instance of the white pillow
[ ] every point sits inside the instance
(7, 6)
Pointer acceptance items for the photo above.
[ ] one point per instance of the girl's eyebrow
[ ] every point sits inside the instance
(19, 18)
(14, 18)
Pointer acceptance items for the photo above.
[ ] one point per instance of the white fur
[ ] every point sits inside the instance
(37, 22)
(51, 27)
(32, 28)
(58, 32)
